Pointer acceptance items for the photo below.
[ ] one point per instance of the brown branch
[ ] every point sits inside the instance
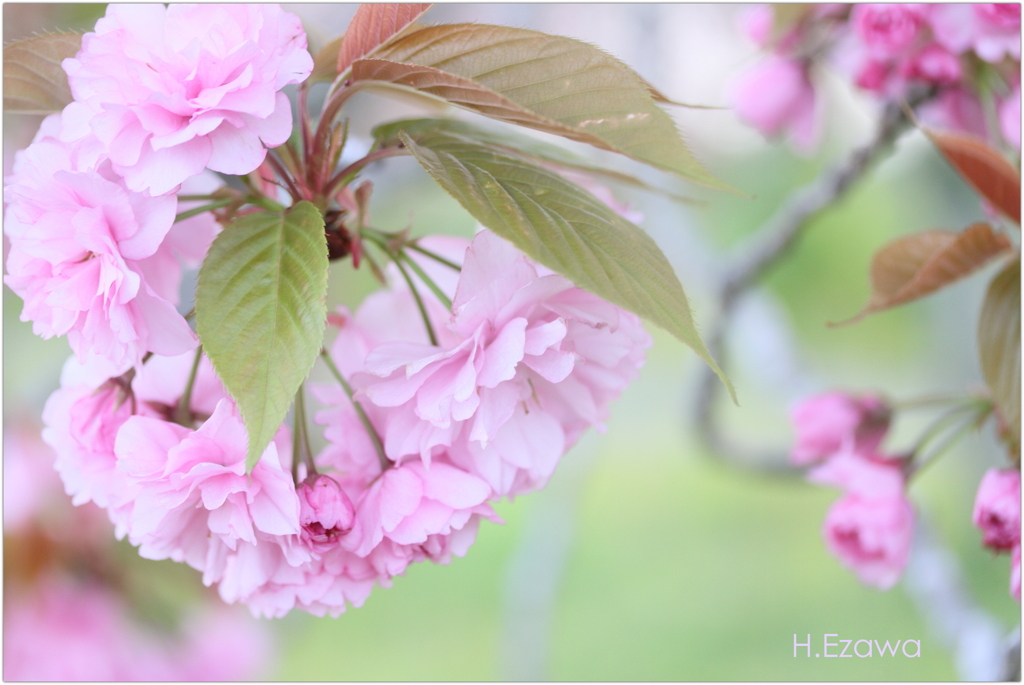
(769, 245)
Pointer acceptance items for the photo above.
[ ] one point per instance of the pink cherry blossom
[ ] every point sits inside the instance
(195, 503)
(991, 30)
(871, 536)
(956, 109)
(776, 97)
(997, 508)
(933, 65)
(84, 415)
(526, 363)
(828, 423)
(887, 30)
(173, 90)
(419, 513)
(869, 529)
(78, 241)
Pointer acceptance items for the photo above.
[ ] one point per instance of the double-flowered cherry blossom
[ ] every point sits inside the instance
(870, 528)
(525, 363)
(172, 90)
(81, 244)
(997, 515)
(831, 422)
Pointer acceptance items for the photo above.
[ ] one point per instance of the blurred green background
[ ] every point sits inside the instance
(647, 559)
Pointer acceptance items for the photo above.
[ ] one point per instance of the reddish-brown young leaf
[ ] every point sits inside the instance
(999, 350)
(372, 26)
(34, 81)
(916, 265)
(983, 168)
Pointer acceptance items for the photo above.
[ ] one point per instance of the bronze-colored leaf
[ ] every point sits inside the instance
(916, 265)
(983, 168)
(556, 84)
(374, 25)
(34, 82)
(325, 62)
(999, 350)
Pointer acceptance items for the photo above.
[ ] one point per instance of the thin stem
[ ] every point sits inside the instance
(940, 424)
(196, 211)
(304, 120)
(196, 198)
(302, 430)
(444, 299)
(374, 437)
(980, 413)
(330, 111)
(419, 301)
(296, 439)
(928, 401)
(285, 176)
(436, 257)
(183, 412)
(346, 175)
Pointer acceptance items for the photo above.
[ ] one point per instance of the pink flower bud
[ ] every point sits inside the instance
(325, 511)
(871, 536)
(997, 508)
(828, 423)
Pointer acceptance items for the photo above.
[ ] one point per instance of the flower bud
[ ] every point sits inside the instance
(326, 512)
(997, 508)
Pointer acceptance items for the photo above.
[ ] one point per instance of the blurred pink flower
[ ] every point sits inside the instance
(991, 30)
(66, 631)
(933, 65)
(871, 536)
(776, 97)
(956, 109)
(172, 90)
(62, 630)
(78, 241)
(997, 508)
(887, 30)
(831, 422)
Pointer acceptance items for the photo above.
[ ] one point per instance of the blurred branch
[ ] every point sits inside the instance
(762, 252)
(935, 583)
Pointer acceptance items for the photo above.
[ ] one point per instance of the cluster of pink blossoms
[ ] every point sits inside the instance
(160, 95)
(869, 529)
(452, 412)
(885, 50)
(524, 363)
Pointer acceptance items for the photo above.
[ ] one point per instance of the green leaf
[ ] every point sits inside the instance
(550, 83)
(999, 349)
(261, 311)
(563, 227)
(34, 82)
(538, 151)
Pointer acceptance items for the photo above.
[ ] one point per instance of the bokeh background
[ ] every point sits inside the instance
(647, 558)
